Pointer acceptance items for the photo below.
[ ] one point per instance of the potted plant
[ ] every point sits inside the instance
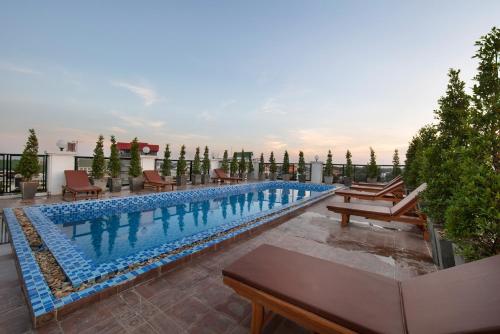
(98, 165)
(136, 182)
(166, 167)
(242, 165)
(205, 166)
(29, 167)
(233, 167)
(372, 168)
(285, 168)
(301, 170)
(328, 177)
(348, 169)
(251, 170)
(181, 167)
(396, 169)
(196, 176)
(272, 167)
(225, 162)
(262, 175)
(114, 167)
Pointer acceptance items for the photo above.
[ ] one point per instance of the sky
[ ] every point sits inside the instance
(256, 75)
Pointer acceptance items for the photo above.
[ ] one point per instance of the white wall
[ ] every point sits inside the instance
(57, 163)
(316, 171)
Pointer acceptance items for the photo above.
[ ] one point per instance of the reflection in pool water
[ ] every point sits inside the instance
(109, 237)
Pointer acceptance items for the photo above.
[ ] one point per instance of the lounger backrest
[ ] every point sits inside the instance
(394, 180)
(76, 178)
(408, 201)
(152, 176)
(220, 173)
(389, 189)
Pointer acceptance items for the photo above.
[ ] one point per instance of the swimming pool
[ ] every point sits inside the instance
(102, 246)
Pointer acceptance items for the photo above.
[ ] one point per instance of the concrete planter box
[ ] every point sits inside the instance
(272, 176)
(347, 181)
(302, 178)
(286, 177)
(28, 189)
(196, 179)
(101, 183)
(251, 176)
(328, 179)
(205, 179)
(181, 180)
(115, 184)
(262, 177)
(168, 178)
(443, 253)
(136, 183)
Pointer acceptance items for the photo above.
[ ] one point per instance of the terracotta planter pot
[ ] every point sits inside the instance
(28, 189)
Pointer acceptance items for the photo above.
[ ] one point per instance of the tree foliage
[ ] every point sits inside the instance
(205, 165)
(272, 163)
(29, 165)
(225, 162)
(415, 158)
(301, 170)
(181, 163)
(135, 168)
(261, 164)
(329, 164)
(114, 166)
(372, 168)
(396, 169)
(348, 164)
(98, 161)
(234, 164)
(197, 162)
(285, 168)
(242, 165)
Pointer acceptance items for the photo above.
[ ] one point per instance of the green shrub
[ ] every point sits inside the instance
(135, 168)
(114, 166)
(348, 164)
(234, 164)
(372, 168)
(285, 168)
(225, 162)
(272, 164)
(166, 167)
(197, 162)
(29, 165)
(261, 164)
(301, 170)
(181, 163)
(242, 164)
(329, 164)
(415, 156)
(396, 169)
(98, 161)
(205, 166)
(250, 167)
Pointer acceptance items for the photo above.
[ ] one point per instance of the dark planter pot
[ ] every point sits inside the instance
(272, 176)
(205, 179)
(328, 179)
(196, 179)
(286, 177)
(302, 178)
(28, 189)
(262, 177)
(136, 183)
(115, 184)
(181, 180)
(347, 181)
(443, 253)
(371, 179)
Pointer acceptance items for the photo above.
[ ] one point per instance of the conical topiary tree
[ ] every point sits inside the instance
(225, 162)
(301, 169)
(234, 164)
(348, 164)
(272, 164)
(372, 168)
(329, 164)
(135, 168)
(242, 164)
(250, 166)
(261, 165)
(396, 169)
(181, 163)
(205, 166)
(98, 161)
(285, 168)
(29, 165)
(166, 167)
(197, 162)
(114, 166)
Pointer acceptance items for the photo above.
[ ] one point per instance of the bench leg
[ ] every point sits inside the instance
(345, 219)
(347, 199)
(257, 318)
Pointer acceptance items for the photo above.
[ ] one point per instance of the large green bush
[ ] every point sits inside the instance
(29, 165)
(197, 162)
(181, 163)
(135, 168)
(114, 166)
(166, 167)
(98, 161)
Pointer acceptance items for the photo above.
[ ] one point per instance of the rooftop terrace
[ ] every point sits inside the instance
(193, 299)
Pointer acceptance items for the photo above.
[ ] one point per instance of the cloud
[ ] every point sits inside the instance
(272, 107)
(135, 121)
(116, 129)
(147, 94)
(205, 116)
(18, 69)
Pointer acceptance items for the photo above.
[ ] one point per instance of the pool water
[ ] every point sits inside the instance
(109, 237)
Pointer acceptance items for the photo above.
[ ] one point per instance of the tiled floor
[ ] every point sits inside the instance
(192, 299)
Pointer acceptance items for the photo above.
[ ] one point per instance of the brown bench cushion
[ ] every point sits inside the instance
(359, 300)
(356, 208)
(462, 299)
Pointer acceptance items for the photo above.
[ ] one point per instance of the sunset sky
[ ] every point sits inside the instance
(258, 75)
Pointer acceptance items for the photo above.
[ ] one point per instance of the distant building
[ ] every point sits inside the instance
(124, 149)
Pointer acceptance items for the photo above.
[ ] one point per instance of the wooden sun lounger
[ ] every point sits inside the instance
(393, 193)
(222, 176)
(374, 187)
(327, 297)
(77, 182)
(405, 211)
(153, 179)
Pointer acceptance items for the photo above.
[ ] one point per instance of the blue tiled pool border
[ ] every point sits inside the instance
(41, 300)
